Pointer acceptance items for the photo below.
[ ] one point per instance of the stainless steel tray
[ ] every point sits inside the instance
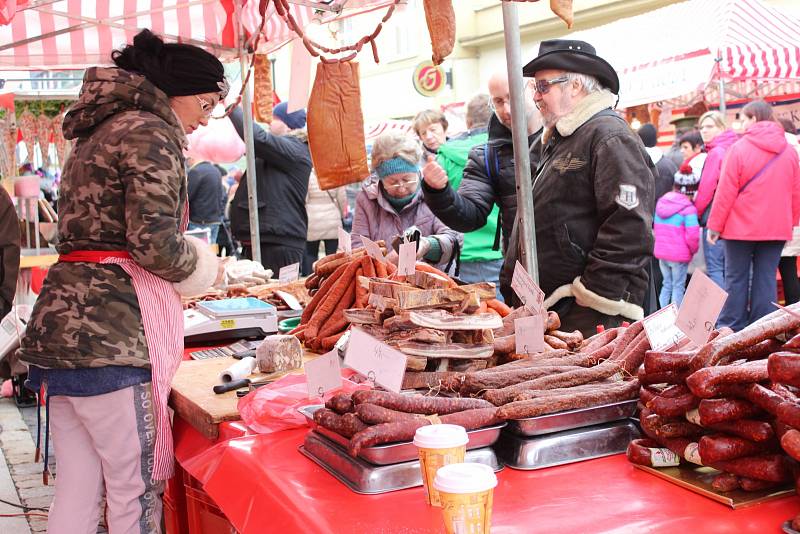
(362, 477)
(557, 422)
(393, 453)
(567, 446)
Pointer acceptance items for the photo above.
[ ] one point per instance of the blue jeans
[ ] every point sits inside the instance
(715, 259)
(674, 285)
(213, 228)
(482, 271)
(749, 300)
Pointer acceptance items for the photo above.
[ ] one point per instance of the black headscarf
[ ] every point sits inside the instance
(175, 68)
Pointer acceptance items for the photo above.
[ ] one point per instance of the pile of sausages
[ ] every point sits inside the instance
(598, 371)
(371, 417)
(335, 288)
(730, 405)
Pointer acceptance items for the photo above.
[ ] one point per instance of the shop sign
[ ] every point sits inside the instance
(428, 79)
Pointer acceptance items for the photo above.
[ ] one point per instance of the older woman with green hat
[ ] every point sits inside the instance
(391, 204)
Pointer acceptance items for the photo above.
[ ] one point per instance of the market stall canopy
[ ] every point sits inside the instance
(44, 34)
(681, 48)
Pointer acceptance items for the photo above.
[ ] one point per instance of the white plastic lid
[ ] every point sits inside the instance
(464, 478)
(440, 436)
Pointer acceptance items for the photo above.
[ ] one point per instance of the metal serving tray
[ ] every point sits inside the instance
(362, 477)
(557, 422)
(393, 453)
(567, 446)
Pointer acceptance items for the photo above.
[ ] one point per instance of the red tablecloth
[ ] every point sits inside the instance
(263, 484)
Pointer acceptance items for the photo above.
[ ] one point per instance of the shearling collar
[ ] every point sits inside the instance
(587, 108)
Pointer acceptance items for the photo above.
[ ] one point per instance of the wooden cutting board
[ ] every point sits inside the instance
(193, 399)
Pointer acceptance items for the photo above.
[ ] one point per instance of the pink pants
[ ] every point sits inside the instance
(105, 442)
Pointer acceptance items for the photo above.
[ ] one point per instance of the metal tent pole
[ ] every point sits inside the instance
(722, 107)
(519, 131)
(247, 119)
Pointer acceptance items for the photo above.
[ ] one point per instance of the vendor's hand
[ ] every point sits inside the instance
(434, 174)
(712, 237)
(424, 247)
(393, 257)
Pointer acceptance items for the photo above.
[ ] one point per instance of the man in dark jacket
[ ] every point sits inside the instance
(487, 180)
(593, 193)
(283, 165)
(206, 197)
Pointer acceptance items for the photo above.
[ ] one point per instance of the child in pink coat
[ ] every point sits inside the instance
(677, 236)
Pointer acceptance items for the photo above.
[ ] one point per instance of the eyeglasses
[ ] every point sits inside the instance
(206, 107)
(543, 86)
(400, 185)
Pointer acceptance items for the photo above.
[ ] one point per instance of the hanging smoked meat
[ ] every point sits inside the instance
(262, 100)
(336, 125)
(442, 28)
(563, 10)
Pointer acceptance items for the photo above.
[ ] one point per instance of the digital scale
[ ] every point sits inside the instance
(237, 318)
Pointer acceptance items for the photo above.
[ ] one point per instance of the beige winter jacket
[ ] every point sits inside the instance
(324, 209)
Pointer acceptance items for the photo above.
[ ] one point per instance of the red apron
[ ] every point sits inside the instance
(162, 320)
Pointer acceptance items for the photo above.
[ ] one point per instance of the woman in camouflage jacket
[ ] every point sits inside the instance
(108, 322)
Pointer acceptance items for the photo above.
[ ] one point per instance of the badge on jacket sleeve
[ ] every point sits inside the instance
(627, 196)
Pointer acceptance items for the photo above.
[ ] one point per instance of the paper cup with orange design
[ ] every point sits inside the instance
(439, 445)
(466, 492)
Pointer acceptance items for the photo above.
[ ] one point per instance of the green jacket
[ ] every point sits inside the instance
(453, 158)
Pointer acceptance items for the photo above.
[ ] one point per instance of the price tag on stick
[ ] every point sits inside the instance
(345, 242)
(323, 374)
(526, 289)
(408, 259)
(289, 273)
(380, 363)
(661, 330)
(373, 250)
(700, 308)
(529, 334)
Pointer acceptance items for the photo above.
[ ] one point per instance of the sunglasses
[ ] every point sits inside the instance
(206, 107)
(543, 86)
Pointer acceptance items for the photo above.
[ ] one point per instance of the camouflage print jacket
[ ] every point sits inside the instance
(123, 188)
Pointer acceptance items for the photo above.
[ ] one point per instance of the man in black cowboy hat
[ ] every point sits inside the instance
(593, 192)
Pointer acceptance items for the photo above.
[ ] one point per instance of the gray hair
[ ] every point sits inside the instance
(589, 83)
(393, 144)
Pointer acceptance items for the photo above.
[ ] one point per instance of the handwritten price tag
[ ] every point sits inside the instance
(661, 330)
(373, 250)
(529, 334)
(526, 289)
(345, 242)
(700, 308)
(289, 273)
(323, 374)
(380, 363)
(408, 259)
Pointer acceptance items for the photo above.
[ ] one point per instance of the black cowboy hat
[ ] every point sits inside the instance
(573, 56)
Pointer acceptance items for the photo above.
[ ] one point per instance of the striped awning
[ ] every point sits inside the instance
(679, 49)
(63, 34)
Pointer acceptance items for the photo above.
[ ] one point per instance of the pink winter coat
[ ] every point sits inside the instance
(676, 228)
(770, 205)
(717, 148)
(376, 219)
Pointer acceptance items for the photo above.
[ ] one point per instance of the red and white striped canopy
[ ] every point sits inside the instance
(64, 34)
(681, 48)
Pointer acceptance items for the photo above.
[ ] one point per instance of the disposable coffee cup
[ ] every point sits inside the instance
(466, 492)
(439, 445)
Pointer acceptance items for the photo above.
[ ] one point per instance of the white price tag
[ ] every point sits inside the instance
(323, 374)
(408, 259)
(661, 330)
(700, 308)
(373, 250)
(345, 241)
(529, 334)
(289, 273)
(380, 363)
(526, 289)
